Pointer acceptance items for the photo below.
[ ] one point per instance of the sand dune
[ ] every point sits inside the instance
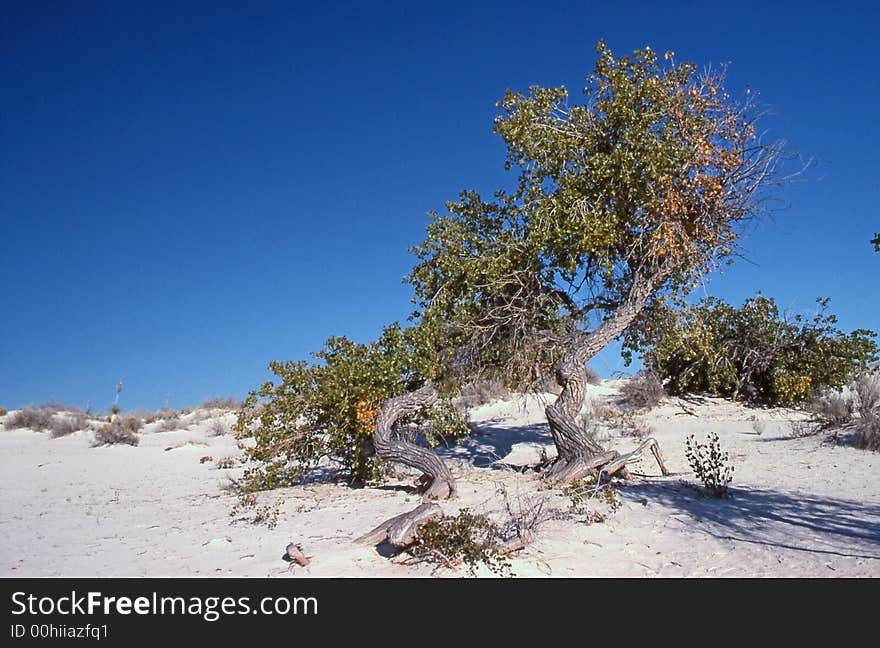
(799, 506)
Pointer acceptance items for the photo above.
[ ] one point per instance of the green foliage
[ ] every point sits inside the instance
(326, 410)
(470, 538)
(586, 494)
(710, 465)
(646, 181)
(750, 352)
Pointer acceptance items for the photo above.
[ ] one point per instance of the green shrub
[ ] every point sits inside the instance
(326, 410)
(751, 352)
(710, 465)
(469, 538)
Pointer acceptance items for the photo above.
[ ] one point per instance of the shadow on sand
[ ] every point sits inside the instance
(489, 443)
(789, 520)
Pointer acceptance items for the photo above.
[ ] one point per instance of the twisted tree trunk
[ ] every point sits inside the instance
(579, 454)
(390, 446)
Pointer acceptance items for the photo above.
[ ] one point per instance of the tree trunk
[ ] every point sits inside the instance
(401, 530)
(579, 454)
(389, 446)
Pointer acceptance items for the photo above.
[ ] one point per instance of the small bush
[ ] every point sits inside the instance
(481, 392)
(643, 392)
(65, 425)
(206, 459)
(468, 538)
(225, 462)
(586, 500)
(832, 409)
(221, 402)
(3, 411)
(32, 418)
(170, 425)
(123, 429)
(710, 465)
(218, 428)
(867, 396)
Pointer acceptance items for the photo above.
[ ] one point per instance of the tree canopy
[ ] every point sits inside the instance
(641, 188)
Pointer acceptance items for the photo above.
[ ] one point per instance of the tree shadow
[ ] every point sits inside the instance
(789, 520)
(489, 443)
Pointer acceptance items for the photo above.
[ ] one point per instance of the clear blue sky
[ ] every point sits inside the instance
(190, 190)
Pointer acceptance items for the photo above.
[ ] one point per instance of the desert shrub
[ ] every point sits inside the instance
(170, 425)
(32, 418)
(163, 414)
(3, 411)
(469, 538)
(326, 410)
(123, 429)
(218, 428)
(588, 499)
(220, 402)
(225, 462)
(832, 408)
(644, 391)
(866, 388)
(481, 392)
(710, 464)
(751, 352)
(65, 425)
(206, 459)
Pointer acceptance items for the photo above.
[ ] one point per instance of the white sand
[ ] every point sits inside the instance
(799, 507)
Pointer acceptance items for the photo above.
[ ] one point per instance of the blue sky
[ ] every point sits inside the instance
(188, 190)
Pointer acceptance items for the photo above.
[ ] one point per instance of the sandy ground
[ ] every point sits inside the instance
(798, 506)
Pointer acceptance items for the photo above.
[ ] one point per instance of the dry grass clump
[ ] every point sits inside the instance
(3, 411)
(644, 391)
(32, 418)
(481, 392)
(867, 401)
(123, 429)
(63, 425)
(856, 409)
(221, 402)
(218, 428)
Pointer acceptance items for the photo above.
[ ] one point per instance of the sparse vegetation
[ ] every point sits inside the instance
(218, 428)
(469, 538)
(644, 391)
(206, 459)
(122, 430)
(591, 502)
(481, 392)
(751, 352)
(170, 425)
(221, 402)
(225, 462)
(63, 425)
(3, 411)
(31, 418)
(710, 464)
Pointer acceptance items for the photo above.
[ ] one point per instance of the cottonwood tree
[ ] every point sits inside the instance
(621, 202)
